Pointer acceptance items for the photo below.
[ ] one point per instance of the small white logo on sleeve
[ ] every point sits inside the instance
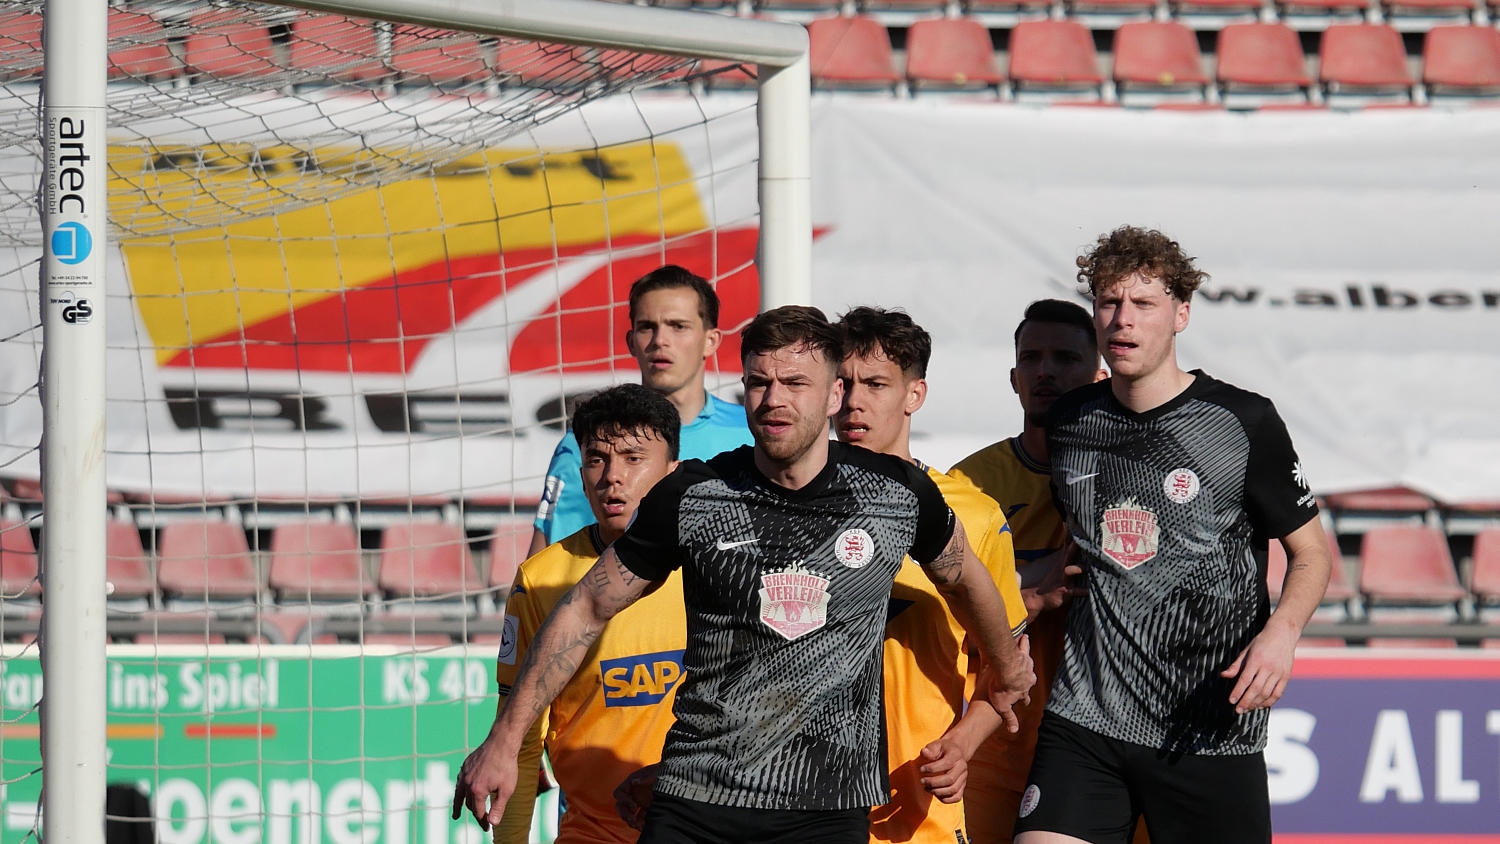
(1181, 485)
(854, 548)
(724, 545)
(1030, 799)
(507, 654)
(1075, 478)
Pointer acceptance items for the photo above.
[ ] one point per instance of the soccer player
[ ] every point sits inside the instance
(610, 719)
(1055, 353)
(927, 745)
(674, 329)
(1171, 483)
(788, 552)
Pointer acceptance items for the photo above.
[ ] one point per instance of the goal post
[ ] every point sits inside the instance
(75, 238)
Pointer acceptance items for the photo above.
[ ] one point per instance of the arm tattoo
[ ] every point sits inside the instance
(949, 565)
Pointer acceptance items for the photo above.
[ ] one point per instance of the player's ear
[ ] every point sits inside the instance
(630, 341)
(916, 395)
(1100, 374)
(1015, 381)
(1181, 318)
(711, 340)
(836, 395)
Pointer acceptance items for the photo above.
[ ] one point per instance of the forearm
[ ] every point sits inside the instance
(979, 721)
(515, 828)
(976, 603)
(1307, 571)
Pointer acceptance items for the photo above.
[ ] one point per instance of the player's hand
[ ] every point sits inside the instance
(1011, 684)
(1058, 583)
(944, 769)
(488, 774)
(633, 795)
(1262, 669)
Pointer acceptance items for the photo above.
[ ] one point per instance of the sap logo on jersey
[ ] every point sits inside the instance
(640, 680)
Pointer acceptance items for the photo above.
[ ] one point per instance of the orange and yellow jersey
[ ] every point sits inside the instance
(1023, 488)
(612, 717)
(925, 671)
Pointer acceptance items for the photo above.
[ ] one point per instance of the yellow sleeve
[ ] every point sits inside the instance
(999, 556)
(522, 619)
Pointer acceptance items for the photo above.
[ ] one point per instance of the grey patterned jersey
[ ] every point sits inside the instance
(786, 594)
(1171, 510)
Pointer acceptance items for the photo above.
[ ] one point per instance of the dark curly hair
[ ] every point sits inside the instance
(627, 410)
(1129, 249)
(891, 332)
(792, 325)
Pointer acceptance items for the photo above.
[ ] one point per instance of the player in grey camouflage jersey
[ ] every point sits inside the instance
(788, 552)
(1171, 483)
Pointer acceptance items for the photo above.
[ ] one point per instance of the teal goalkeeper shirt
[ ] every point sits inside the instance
(564, 509)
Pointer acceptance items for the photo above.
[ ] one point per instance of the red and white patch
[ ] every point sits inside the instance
(1128, 534)
(855, 548)
(1030, 799)
(1181, 485)
(793, 602)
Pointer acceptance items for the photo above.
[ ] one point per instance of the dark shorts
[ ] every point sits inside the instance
(1094, 787)
(674, 820)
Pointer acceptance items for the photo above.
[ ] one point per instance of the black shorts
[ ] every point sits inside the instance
(1094, 787)
(675, 820)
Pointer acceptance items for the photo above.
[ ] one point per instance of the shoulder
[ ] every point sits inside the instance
(559, 565)
(885, 465)
(724, 411)
(968, 501)
(1076, 403)
(1250, 407)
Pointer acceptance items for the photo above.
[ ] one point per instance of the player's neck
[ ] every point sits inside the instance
(1033, 440)
(1151, 390)
(797, 472)
(689, 401)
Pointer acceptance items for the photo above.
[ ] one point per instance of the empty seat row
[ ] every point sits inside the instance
(1059, 56)
(211, 561)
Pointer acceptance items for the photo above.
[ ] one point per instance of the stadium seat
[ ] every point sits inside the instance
(138, 47)
(336, 48)
(20, 43)
(1158, 58)
(951, 53)
(1213, 14)
(224, 45)
(1484, 578)
(850, 52)
(1422, 15)
(1054, 57)
(1007, 13)
(1409, 642)
(19, 571)
(1339, 591)
(1408, 565)
(537, 65)
(1321, 642)
(206, 561)
(508, 546)
(1463, 60)
(1261, 60)
(1319, 14)
(1360, 510)
(317, 561)
(1365, 60)
(126, 565)
(427, 563)
(437, 56)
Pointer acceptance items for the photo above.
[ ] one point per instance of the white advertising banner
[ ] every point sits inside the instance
(1351, 256)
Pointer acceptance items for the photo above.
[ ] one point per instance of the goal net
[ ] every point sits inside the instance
(359, 269)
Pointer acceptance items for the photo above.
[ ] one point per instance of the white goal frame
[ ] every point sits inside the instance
(73, 200)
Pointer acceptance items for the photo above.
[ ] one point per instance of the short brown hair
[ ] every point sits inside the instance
(1129, 249)
(671, 277)
(792, 325)
(892, 333)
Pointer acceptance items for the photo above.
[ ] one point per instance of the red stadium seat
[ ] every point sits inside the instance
(1363, 58)
(337, 48)
(138, 47)
(437, 56)
(20, 43)
(1408, 565)
(1261, 58)
(1321, 642)
(1421, 14)
(1054, 56)
(508, 546)
(317, 561)
(1409, 642)
(850, 52)
(1339, 589)
(1484, 579)
(1158, 57)
(1221, 11)
(538, 65)
(126, 566)
(426, 560)
(1461, 60)
(204, 560)
(952, 53)
(224, 45)
(19, 571)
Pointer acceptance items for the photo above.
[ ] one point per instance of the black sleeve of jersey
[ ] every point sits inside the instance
(934, 517)
(649, 547)
(1276, 491)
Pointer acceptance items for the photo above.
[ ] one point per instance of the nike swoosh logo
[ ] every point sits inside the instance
(725, 546)
(1073, 479)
